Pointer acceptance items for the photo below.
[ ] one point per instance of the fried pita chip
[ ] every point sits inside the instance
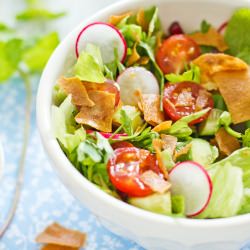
(211, 64)
(57, 247)
(169, 143)
(150, 104)
(182, 151)
(99, 116)
(227, 143)
(210, 38)
(114, 20)
(134, 57)
(235, 89)
(76, 89)
(158, 146)
(155, 182)
(141, 20)
(57, 235)
(162, 126)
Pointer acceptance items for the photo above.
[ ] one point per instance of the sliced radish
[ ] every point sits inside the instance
(193, 182)
(106, 37)
(108, 135)
(134, 80)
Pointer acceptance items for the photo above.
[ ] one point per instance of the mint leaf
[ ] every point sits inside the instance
(34, 14)
(237, 34)
(192, 75)
(37, 56)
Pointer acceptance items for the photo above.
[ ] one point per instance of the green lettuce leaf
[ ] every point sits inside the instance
(205, 26)
(178, 205)
(65, 128)
(37, 56)
(228, 192)
(237, 34)
(239, 158)
(245, 207)
(89, 66)
(246, 138)
(191, 75)
(167, 159)
(34, 14)
(181, 129)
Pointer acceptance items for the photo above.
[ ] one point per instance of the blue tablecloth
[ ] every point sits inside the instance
(44, 199)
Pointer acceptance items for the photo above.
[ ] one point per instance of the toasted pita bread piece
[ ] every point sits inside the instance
(227, 143)
(76, 89)
(211, 38)
(210, 64)
(57, 235)
(169, 142)
(158, 147)
(235, 89)
(150, 106)
(57, 247)
(114, 20)
(155, 182)
(99, 116)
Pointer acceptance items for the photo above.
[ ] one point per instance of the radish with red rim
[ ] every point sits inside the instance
(106, 37)
(134, 80)
(193, 182)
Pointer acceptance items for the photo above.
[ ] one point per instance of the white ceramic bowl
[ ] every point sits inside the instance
(150, 230)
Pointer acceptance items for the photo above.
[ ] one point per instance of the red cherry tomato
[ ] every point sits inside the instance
(122, 144)
(126, 167)
(185, 98)
(176, 52)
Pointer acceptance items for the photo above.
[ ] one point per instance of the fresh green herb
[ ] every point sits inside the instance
(246, 138)
(181, 128)
(207, 49)
(155, 68)
(152, 18)
(205, 26)
(237, 34)
(192, 75)
(225, 121)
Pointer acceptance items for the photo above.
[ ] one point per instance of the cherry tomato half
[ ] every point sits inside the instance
(126, 167)
(176, 52)
(185, 98)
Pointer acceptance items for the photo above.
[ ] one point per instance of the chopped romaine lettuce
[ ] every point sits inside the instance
(191, 75)
(245, 207)
(157, 203)
(237, 34)
(219, 102)
(167, 159)
(239, 158)
(228, 192)
(65, 129)
(89, 66)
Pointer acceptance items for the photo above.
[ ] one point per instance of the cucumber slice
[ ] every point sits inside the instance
(202, 152)
(157, 203)
(211, 125)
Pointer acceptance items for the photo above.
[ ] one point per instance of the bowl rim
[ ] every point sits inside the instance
(61, 162)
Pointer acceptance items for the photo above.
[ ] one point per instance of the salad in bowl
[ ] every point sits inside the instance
(160, 118)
